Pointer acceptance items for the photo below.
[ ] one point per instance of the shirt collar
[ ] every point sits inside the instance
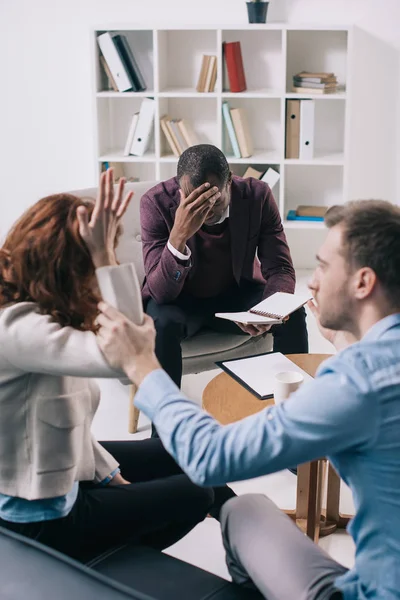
(223, 217)
(381, 327)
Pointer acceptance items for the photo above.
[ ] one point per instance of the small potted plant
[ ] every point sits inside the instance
(257, 11)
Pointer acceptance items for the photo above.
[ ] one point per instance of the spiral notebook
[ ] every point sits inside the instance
(269, 311)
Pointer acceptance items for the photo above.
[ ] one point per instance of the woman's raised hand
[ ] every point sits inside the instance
(100, 231)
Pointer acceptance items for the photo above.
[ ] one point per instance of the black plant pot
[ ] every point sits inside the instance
(257, 11)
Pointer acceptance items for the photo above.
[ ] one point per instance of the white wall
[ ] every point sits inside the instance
(46, 108)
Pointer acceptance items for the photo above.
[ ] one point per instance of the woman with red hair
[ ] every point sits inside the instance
(58, 484)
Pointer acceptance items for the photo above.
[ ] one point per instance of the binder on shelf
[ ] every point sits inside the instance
(292, 146)
(231, 130)
(188, 133)
(234, 64)
(213, 77)
(131, 133)
(271, 177)
(138, 83)
(307, 117)
(144, 127)
(170, 139)
(311, 211)
(242, 130)
(114, 62)
(292, 216)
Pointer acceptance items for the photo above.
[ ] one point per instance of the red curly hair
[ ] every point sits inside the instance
(44, 260)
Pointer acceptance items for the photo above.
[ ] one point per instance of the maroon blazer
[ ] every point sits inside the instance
(255, 225)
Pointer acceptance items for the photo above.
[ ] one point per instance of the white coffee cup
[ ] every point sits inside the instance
(285, 383)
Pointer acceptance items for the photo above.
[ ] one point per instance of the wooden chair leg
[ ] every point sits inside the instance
(133, 411)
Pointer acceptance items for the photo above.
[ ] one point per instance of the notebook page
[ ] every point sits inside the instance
(281, 304)
(247, 318)
(258, 371)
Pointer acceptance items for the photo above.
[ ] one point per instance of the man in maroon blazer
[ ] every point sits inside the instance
(213, 242)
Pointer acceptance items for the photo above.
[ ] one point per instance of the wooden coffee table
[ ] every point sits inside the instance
(227, 401)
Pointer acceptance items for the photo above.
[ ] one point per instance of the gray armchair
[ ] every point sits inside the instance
(202, 351)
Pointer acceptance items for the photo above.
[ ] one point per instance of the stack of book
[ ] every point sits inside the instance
(315, 83)
(270, 175)
(208, 74)
(141, 128)
(179, 134)
(307, 213)
(234, 66)
(119, 63)
(238, 131)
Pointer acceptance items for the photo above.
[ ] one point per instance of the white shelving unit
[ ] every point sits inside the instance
(354, 129)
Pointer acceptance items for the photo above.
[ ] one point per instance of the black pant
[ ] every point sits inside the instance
(158, 508)
(183, 318)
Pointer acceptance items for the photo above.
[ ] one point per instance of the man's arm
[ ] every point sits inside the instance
(327, 416)
(273, 250)
(165, 272)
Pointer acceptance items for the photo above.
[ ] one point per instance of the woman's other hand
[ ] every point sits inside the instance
(126, 346)
(99, 233)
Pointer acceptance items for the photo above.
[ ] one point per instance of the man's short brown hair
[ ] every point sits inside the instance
(371, 238)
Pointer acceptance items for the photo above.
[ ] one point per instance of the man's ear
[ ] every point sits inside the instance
(365, 282)
(229, 178)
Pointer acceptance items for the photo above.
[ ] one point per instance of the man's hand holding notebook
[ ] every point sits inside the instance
(272, 310)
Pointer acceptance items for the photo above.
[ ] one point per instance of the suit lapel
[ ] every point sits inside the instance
(239, 225)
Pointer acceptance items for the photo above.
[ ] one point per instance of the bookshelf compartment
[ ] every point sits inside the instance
(200, 113)
(312, 185)
(263, 61)
(316, 51)
(180, 54)
(137, 171)
(114, 119)
(168, 169)
(265, 127)
(141, 45)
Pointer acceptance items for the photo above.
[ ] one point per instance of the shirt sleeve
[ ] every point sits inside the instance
(178, 254)
(326, 416)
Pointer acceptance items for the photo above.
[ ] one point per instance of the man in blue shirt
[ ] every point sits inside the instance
(349, 413)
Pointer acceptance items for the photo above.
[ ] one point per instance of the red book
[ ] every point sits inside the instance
(234, 65)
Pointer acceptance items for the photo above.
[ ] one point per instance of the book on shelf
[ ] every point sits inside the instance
(211, 73)
(114, 61)
(292, 143)
(234, 63)
(315, 83)
(311, 211)
(144, 127)
(188, 133)
(178, 137)
(242, 130)
(292, 216)
(164, 122)
(251, 172)
(208, 74)
(111, 83)
(308, 90)
(131, 134)
(231, 130)
(203, 73)
(270, 176)
(138, 82)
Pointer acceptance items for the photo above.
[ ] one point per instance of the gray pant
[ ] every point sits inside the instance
(265, 549)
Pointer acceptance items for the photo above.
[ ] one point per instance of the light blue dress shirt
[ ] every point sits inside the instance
(350, 413)
(20, 510)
